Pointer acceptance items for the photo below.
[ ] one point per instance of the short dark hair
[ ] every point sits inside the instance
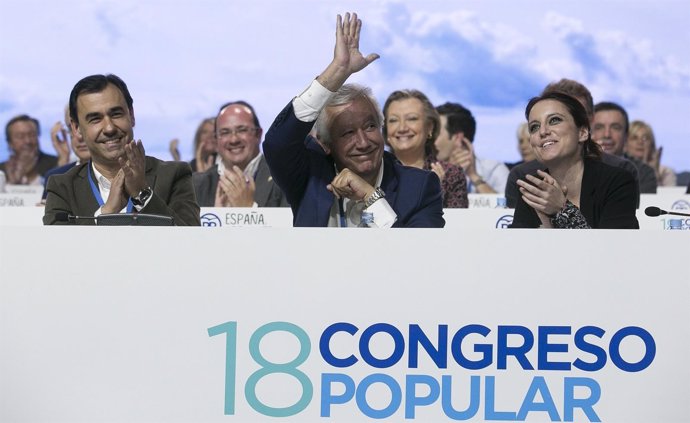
(577, 111)
(241, 103)
(96, 84)
(459, 119)
(21, 118)
(609, 105)
(573, 89)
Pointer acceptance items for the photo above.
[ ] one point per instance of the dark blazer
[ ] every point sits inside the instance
(45, 163)
(531, 167)
(647, 175)
(607, 199)
(55, 171)
(173, 193)
(302, 170)
(267, 193)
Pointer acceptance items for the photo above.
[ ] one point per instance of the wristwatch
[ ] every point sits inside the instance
(142, 197)
(374, 197)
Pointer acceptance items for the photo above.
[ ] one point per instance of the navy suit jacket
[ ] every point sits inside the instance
(302, 170)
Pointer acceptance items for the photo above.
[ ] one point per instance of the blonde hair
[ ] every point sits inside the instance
(639, 125)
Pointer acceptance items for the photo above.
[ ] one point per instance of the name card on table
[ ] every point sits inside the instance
(19, 199)
(276, 217)
(486, 201)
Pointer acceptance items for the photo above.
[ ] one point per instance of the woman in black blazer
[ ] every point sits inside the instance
(574, 189)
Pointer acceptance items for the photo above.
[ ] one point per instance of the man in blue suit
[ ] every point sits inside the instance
(344, 177)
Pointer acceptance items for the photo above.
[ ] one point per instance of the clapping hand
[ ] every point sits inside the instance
(174, 150)
(58, 135)
(21, 165)
(544, 195)
(133, 165)
(438, 169)
(235, 189)
(464, 157)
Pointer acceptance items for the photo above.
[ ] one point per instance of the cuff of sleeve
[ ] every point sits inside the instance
(146, 203)
(384, 216)
(308, 105)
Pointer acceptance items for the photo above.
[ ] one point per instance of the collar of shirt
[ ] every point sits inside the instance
(353, 209)
(104, 187)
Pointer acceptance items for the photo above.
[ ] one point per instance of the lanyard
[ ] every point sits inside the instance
(341, 211)
(97, 192)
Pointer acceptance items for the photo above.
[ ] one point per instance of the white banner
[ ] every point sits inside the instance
(268, 217)
(304, 325)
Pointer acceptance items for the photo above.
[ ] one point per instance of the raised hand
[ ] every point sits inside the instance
(347, 52)
(174, 150)
(58, 135)
(347, 59)
(133, 164)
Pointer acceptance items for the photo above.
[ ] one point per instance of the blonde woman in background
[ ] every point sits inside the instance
(205, 150)
(642, 146)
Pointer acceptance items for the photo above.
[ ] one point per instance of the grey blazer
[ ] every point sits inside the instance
(267, 193)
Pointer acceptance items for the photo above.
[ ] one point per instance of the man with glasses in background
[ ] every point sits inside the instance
(241, 177)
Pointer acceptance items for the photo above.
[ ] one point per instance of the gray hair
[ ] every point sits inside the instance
(345, 95)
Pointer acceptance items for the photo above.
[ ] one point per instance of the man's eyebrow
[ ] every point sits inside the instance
(116, 109)
(92, 115)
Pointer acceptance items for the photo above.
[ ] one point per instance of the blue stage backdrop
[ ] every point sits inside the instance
(182, 59)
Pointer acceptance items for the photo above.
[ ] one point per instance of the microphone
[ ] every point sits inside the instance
(66, 217)
(119, 219)
(653, 211)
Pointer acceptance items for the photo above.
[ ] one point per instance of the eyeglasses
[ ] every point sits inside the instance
(240, 132)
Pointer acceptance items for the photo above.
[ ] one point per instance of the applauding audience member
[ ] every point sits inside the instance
(610, 130)
(574, 189)
(204, 147)
(346, 179)
(119, 177)
(411, 127)
(241, 178)
(581, 93)
(27, 164)
(63, 136)
(484, 176)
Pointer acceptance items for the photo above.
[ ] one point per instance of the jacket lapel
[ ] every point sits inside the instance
(389, 183)
(82, 190)
(263, 183)
(150, 174)
(588, 189)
